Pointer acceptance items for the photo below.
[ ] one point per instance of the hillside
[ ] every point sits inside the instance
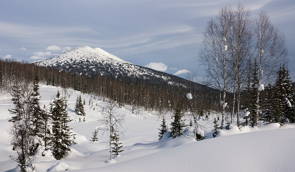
(91, 62)
(259, 150)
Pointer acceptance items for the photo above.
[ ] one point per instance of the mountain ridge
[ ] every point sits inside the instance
(95, 61)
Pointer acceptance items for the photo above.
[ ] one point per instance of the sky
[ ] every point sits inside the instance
(162, 34)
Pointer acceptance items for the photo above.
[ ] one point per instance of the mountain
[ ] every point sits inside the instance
(95, 61)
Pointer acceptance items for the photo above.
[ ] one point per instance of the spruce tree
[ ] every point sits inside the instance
(61, 132)
(45, 129)
(163, 129)
(94, 137)
(23, 141)
(283, 98)
(79, 109)
(266, 104)
(215, 130)
(116, 145)
(37, 120)
(177, 124)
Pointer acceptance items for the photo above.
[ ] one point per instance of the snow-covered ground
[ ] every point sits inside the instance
(267, 149)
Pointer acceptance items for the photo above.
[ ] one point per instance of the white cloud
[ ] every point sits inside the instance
(53, 48)
(40, 55)
(67, 48)
(8, 56)
(23, 49)
(35, 57)
(182, 71)
(157, 66)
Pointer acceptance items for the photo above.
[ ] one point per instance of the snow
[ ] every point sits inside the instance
(266, 148)
(59, 166)
(224, 105)
(83, 54)
(225, 47)
(96, 61)
(189, 96)
(247, 113)
(261, 87)
(289, 104)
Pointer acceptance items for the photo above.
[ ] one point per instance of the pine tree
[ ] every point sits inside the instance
(79, 109)
(163, 129)
(94, 137)
(37, 120)
(23, 141)
(254, 97)
(116, 145)
(45, 129)
(283, 98)
(61, 132)
(266, 103)
(215, 131)
(177, 125)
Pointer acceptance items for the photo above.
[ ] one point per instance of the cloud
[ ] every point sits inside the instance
(157, 66)
(159, 31)
(53, 48)
(67, 48)
(182, 71)
(8, 56)
(40, 55)
(23, 49)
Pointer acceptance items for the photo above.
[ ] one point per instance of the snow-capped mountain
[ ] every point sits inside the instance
(95, 61)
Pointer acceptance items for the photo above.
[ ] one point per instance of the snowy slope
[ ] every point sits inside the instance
(270, 149)
(84, 54)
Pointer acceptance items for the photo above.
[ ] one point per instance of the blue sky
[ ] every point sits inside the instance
(139, 31)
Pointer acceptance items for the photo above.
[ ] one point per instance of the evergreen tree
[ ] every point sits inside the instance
(215, 131)
(37, 120)
(94, 137)
(23, 141)
(61, 132)
(45, 129)
(254, 101)
(283, 98)
(266, 103)
(116, 145)
(178, 124)
(163, 129)
(79, 109)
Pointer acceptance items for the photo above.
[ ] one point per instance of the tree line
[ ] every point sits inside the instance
(136, 93)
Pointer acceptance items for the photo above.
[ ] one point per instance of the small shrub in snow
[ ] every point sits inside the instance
(94, 137)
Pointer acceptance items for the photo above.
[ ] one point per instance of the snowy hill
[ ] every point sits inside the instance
(95, 61)
(85, 54)
(269, 149)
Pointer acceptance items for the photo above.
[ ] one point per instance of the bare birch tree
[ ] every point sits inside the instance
(241, 51)
(215, 54)
(231, 42)
(269, 53)
(112, 122)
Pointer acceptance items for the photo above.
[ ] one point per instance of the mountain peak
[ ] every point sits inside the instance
(83, 54)
(90, 53)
